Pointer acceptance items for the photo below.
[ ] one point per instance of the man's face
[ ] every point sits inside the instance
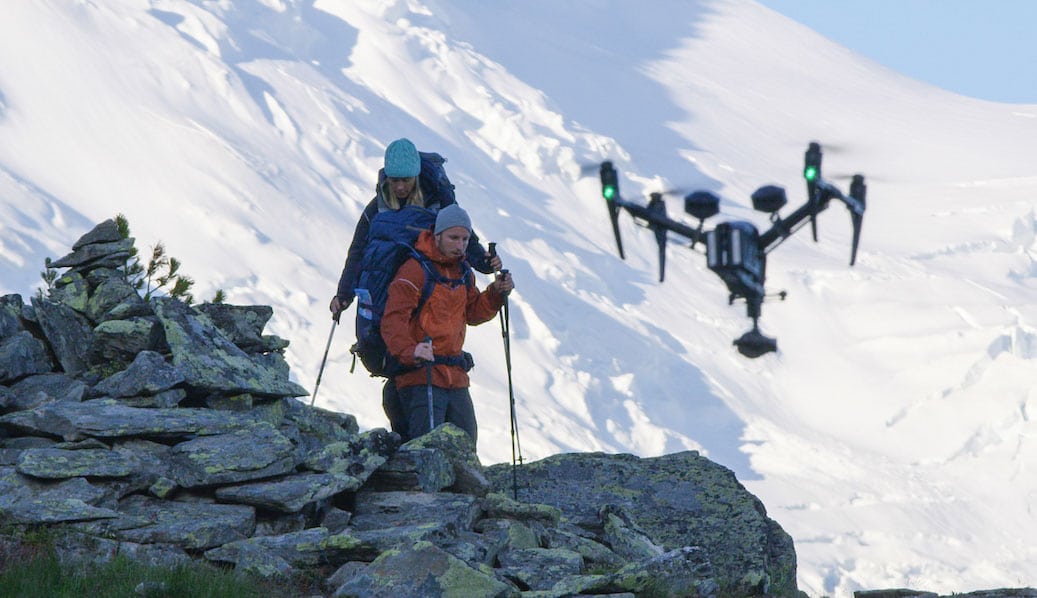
(402, 188)
(453, 241)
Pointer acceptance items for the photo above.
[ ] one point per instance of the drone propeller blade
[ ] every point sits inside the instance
(857, 203)
(589, 169)
(657, 207)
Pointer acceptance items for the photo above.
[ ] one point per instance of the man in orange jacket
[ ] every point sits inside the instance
(431, 340)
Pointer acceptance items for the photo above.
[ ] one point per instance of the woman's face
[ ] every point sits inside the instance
(401, 188)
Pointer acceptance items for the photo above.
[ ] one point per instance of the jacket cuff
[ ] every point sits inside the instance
(407, 357)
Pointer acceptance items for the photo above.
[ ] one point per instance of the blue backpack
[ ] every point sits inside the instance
(390, 243)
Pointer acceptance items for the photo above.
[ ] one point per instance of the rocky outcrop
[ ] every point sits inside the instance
(644, 507)
(169, 432)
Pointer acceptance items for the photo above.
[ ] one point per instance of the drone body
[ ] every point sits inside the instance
(736, 251)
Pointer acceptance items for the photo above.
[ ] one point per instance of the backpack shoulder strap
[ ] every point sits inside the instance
(433, 277)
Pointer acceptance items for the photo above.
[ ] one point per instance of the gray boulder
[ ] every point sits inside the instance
(624, 536)
(540, 568)
(10, 315)
(423, 570)
(43, 388)
(210, 361)
(71, 289)
(189, 525)
(243, 325)
(105, 232)
(56, 463)
(107, 418)
(459, 449)
(25, 500)
(289, 494)
(248, 453)
(21, 355)
(149, 374)
(68, 333)
(113, 297)
(96, 255)
(122, 340)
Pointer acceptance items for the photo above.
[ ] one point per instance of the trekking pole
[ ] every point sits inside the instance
(428, 387)
(323, 361)
(505, 328)
(516, 446)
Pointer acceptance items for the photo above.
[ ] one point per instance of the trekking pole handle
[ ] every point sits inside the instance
(493, 254)
(503, 273)
(493, 249)
(427, 339)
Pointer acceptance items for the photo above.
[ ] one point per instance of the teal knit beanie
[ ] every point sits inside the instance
(402, 160)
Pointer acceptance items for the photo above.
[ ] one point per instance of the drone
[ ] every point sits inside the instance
(736, 251)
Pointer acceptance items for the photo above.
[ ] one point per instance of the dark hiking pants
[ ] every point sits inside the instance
(394, 410)
(452, 405)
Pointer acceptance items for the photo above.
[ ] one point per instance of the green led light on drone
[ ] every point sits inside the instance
(608, 192)
(810, 173)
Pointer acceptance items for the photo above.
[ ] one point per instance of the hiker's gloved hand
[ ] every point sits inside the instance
(423, 352)
(504, 284)
(338, 307)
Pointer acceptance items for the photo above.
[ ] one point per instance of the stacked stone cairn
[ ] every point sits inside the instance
(167, 433)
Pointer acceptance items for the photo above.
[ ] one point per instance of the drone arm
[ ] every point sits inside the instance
(823, 193)
(653, 218)
(784, 228)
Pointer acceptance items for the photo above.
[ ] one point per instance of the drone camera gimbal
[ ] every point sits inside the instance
(736, 251)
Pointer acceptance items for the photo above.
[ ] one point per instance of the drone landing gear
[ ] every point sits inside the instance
(753, 344)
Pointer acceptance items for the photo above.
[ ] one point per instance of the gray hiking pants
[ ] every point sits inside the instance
(452, 405)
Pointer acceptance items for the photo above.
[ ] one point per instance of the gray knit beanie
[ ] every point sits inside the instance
(402, 160)
(452, 216)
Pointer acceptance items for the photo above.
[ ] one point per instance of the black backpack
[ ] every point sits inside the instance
(390, 243)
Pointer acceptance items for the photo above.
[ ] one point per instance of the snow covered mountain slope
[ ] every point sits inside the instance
(893, 435)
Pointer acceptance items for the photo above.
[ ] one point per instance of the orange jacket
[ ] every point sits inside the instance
(444, 317)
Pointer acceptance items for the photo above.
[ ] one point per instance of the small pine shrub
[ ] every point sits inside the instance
(160, 275)
(49, 276)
